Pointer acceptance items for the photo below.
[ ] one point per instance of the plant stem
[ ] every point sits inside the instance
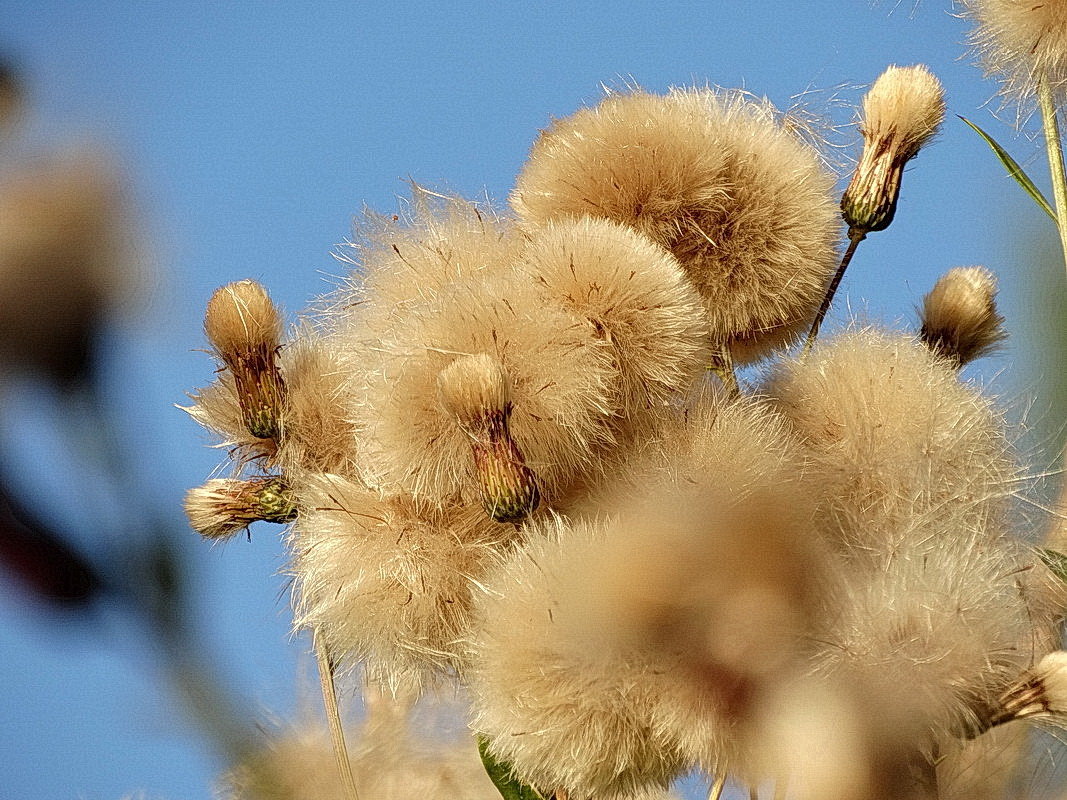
(333, 716)
(854, 238)
(722, 364)
(1054, 148)
(715, 792)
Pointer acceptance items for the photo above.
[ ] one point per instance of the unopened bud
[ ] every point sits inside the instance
(959, 315)
(476, 391)
(222, 507)
(901, 112)
(245, 328)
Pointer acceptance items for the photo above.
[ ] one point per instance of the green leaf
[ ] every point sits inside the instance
(1055, 561)
(503, 778)
(1014, 170)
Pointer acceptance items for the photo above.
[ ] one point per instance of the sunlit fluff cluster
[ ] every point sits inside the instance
(718, 180)
(1021, 42)
(515, 458)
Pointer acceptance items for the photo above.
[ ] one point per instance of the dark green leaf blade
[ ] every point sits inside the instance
(1014, 170)
(500, 774)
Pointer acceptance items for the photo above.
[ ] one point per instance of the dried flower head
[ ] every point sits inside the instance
(901, 112)
(894, 439)
(1021, 41)
(223, 507)
(316, 432)
(718, 180)
(245, 328)
(959, 315)
(389, 581)
(477, 392)
(638, 300)
(564, 715)
(561, 378)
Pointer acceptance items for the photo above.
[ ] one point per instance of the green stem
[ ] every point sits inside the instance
(1054, 148)
(333, 716)
(855, 236)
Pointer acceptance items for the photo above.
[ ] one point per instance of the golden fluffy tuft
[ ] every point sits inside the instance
(241, 316)
(222, 507)
(1021, 41)
(893, 439)
(387, 581)
(903, 110)
(561, 385)
(715, 178)
(473, 388)
(553, 707)
(959, 315)
(638, 300)
(901, 113)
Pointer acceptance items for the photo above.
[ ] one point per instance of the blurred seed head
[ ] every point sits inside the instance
(64, 264)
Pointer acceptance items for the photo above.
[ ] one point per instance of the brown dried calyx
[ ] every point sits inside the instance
(476, 392)
(223, 507)
(245, 327)
(901, 112)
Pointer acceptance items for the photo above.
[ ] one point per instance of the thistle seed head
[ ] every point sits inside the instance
(245, 327)
(901, 112)
(959, 315)
(223, 507)
(476, 391)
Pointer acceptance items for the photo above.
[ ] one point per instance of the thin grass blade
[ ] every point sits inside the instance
(1014, 170)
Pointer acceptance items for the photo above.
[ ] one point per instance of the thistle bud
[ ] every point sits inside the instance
(1040, 692)
(959, 315)
(901, 112)
(245, 328)
(476, 391)
(223, 507)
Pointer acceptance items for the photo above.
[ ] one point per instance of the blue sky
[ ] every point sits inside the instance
(253, 132)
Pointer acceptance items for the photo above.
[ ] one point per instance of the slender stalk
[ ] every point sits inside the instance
(1054, 148)
(333, 716)
(854, 238)
(722, 364)
(715, 792)
(753, 792)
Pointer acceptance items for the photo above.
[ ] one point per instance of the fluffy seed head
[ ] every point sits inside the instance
(717, 180)
(894, 439)
(222, 507)
(477, 392)
(563, 715)
(1019, 41)
(244, 326)
(638, 300)
(901, 112)
(959, 315)
(560, 372)
(389, 581)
